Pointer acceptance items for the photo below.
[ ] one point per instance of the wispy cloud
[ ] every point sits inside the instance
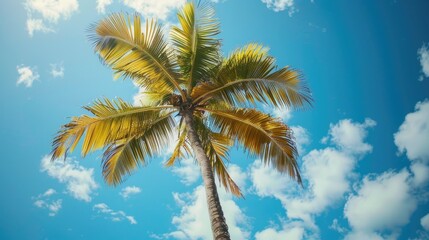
(27, 75)
(57, 70)
(423, 56)
(102, 4)
(79, 180)
(42, 15)
(281, 5)
(44, 201)
(188, 171)
(115, 216)
(129, 190)
(154, 8)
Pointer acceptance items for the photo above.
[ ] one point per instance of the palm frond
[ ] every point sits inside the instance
(113, 120)
(124, 155)
(142, 56)
(196, 47)
(216, 146)
(181, 149)
(249, 76)
(261, 134)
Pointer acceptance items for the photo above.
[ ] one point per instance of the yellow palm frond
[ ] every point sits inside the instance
(142, 56)
(249, 76)
(216, 146)
(113, 120)
(182, 147)
(124, 155)
(261, 134)
(196, 48)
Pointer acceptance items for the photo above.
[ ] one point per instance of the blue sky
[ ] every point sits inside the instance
(364, 144)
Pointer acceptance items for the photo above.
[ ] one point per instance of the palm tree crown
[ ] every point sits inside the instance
(189, 88)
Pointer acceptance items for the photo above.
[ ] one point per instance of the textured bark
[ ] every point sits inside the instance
(217, 219)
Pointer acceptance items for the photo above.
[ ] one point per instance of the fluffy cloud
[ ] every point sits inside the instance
(188, 170)
(413, 135)
(349, 136)
(48, 12)
(115, 216)
(102, 4)
(326, 172)
(27, 75)
(302, 138)
(57, 70)
(44, 201)
(423, 56)
(367, 211)
(154, 8)
(79, 180)
(129, 190)
(281, 5)
(193, 221)
(288, 232)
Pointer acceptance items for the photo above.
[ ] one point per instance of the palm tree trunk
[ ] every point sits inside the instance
(217, 220)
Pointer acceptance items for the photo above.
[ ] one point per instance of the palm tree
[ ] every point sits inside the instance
(191, 91)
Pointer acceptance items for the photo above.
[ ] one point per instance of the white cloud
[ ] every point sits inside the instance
(269, 182)
(49, 192)
(115, 216)
(193, 221)
(79, 180)
(129, 190)
(34, 25)
(154, 8)
(283, 113)
(327, 174)
(367, 211)
(423, 56)
(413, 135)
(421, 173)
(288, 232)
(48, 12)
(43, 201)
(301, 138)
(27, 75)
(337, 227)
(102, 4)
(281, 5)
(349, 136)
(424, 221)
(188, 171)
(57, 70)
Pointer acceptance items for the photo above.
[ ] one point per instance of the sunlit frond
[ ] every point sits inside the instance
(261, 134)
(143, 56)
(113, 120)
(216, 146)
(249, 76)
(181, 149)
(124, 155)
(196, 47)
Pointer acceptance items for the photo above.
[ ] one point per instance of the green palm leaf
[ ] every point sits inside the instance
(261, 134)
(194, 39)
(142, 56)
(113, 120)
(124, 155)
(249, 76)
